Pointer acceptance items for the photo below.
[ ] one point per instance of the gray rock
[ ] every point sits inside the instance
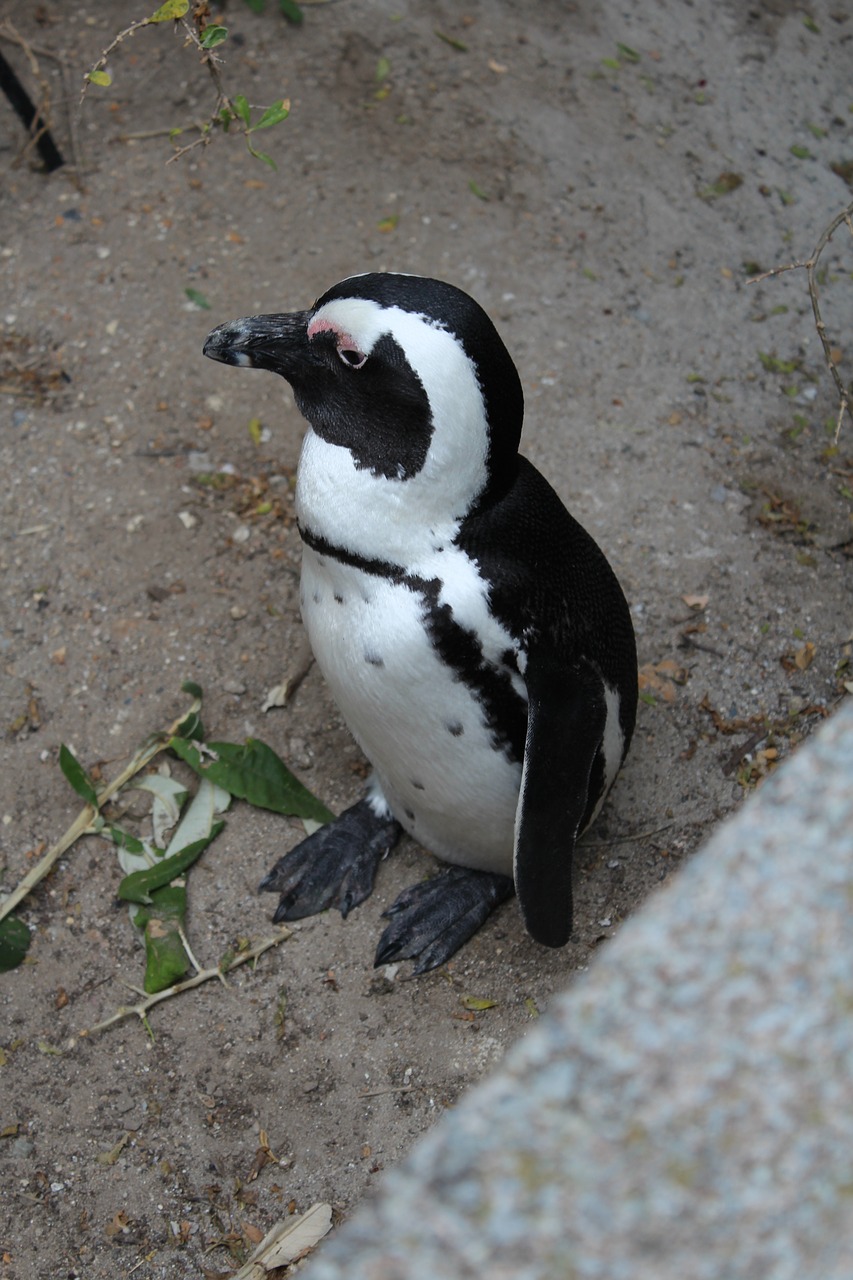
(686, 1110)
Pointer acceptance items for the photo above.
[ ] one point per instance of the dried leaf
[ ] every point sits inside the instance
(661, 679)
(291, 1239)
(804, 657)
(110, 1157)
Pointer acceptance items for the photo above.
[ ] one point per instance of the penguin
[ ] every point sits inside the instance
(472, 633)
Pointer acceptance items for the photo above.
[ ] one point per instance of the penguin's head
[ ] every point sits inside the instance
(406, 373)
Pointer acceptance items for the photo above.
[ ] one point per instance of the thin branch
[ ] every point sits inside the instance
(85, 822)
(639, 835)
(810, 268)
(141, 1009)
(105, 53)
(9, 33)
(390, 1088)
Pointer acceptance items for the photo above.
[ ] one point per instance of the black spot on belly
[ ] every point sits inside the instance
(374, 660)
(316, 597)
(454, 727)
(409, 814)
(419, 786)
(338, 597)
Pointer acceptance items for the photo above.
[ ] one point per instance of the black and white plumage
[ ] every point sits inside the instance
(472, 633)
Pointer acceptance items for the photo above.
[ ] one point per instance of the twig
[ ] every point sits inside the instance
(391, 1088)
(810, 267)
(733, 758)
(9, 33)
(640, 835)
(105, 53)
(202, 975)
(85, 822)
(34, 118)
(223, 102)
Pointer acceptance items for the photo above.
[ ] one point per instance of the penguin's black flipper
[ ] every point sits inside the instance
(431, 920)
(561, 782)
(333, 867)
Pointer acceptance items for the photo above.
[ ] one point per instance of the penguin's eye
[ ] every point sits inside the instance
(352, 357)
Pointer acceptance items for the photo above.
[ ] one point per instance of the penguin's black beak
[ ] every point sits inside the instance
(278, 342)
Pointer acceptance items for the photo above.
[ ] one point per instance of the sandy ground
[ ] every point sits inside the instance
(685, 417)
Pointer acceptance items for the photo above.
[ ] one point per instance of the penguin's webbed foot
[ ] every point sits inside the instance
(333, 867)
(430, 921)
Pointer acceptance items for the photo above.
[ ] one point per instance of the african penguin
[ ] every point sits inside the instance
(472, 633)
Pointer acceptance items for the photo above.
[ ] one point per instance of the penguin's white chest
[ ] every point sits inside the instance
(422, 728)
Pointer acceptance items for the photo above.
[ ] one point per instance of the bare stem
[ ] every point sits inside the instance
(84, 823)
(810, 268)
(141, 1009)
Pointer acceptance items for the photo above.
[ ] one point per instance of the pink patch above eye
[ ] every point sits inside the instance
(321, 324)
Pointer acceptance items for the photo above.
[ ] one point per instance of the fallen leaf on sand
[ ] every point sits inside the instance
(288, 1241)
(661, 678)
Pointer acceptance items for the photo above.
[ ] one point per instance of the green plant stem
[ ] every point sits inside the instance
(84, 823)
(202, 975)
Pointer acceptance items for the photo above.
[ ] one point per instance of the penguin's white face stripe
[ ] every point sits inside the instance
(355, 318)
(387, 518)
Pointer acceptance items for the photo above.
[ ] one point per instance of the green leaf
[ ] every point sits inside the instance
(478, 191)
(724, 185)
(626, 52)
(77, 776)
(255, 773)
(171, 9)
(140, 886)
(244, 111)
(198, 821)
(383, 70)
(291, 11)
(125, 840)
(166, 960)
(802, 153)
(261, 155)
(452, 41)
(257, 6)
(477, 1003)
(103, 78)
(273, 115)
(213, 36)
(774, 365)
(198, 299)
(255, 430)
(613, 63)
(14, 942)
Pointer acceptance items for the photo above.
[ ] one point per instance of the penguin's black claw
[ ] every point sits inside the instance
(334, 867)
(430, 921)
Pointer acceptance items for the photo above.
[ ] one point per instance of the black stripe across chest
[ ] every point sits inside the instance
(460, 648)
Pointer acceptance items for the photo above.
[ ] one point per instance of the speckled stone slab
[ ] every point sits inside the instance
(686, 1110)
